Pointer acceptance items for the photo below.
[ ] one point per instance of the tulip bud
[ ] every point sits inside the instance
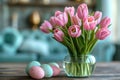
(61, 20)
(98, 16)
(46, 27)
(75, 20)
(70, 10)
(58, 13)
(102, 33)
(89, 23)
(105, 22)
(82, 11)
(52, 21)
(58, 35)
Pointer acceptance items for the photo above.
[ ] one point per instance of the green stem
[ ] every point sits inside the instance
(78, 46)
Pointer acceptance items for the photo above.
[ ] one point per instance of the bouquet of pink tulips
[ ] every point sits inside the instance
(78, 31)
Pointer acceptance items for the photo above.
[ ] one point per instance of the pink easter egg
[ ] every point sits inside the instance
(36, 72)
(56, 70)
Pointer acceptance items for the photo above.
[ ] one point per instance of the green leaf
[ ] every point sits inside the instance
(69, 21)
(109, 25)
(91, 45)
(81, 41)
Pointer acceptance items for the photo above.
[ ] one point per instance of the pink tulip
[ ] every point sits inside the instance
(98, 16)
(70, 10)
(52, 21)
(89, 23)
(46, 27)
(74, 31)
(58, 35)
(102, 33)
(105, 22)
(82, 11)
(75, 20)
(61, 20)
(57, 13)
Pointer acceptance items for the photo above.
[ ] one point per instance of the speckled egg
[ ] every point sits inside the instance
(54, 64)
(56, 70)
(36, 72)
(48, 70)
(33, 63)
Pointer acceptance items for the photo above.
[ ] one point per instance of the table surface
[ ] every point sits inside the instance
(103, 71)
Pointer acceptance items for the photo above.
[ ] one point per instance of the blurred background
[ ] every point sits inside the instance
(22, 41)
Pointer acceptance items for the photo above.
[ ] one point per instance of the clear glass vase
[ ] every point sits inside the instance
(82, 66)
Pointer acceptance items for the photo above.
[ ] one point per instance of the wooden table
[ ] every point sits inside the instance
(103, 71)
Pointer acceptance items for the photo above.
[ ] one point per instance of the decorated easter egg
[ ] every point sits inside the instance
(36, 72)
(54, 64)
(56, 70)
(48, 70)
(33, 63)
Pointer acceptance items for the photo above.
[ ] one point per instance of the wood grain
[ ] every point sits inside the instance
(103, 71)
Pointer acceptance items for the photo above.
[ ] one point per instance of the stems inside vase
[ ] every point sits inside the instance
(83, 67)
